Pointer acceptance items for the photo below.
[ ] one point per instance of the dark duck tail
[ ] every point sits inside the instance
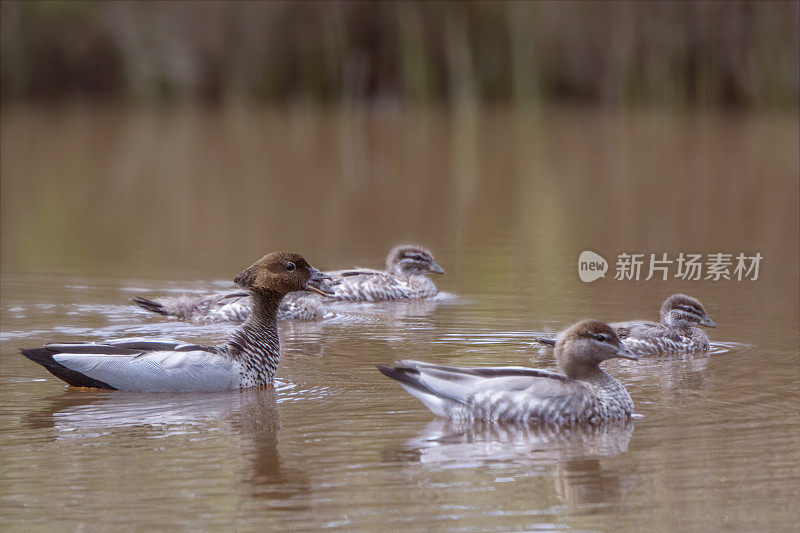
(150, 305)
(44, 357)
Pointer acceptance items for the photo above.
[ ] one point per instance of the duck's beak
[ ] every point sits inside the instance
(316, 283)
(707, 322)
(434, 267)
(625, 353)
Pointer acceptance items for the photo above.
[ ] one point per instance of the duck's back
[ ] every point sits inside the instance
(230, 307)
(510, 393)
(544, 397)
(645, 337)
(161, 366)
(367, 285)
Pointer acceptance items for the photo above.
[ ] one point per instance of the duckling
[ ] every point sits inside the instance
(405, 277)
(249, 358)
(232, 306)
(675, 334)
(584, 393)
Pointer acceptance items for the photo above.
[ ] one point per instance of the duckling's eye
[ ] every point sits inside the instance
(417, 257)
(290, 266)
(600, 337)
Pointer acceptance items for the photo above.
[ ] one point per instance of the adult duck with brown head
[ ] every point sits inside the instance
(249, 358)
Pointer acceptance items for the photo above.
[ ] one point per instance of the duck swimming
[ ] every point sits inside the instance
(405, 277)
(584, 393)
(677, 332)
(249, 358)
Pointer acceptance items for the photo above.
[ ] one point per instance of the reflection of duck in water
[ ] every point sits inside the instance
(514, 449)
(677, 332)
(448, 442)
(185, 425)
(249, 358)
(585, 393)
(405, 278)
(77, 412)
(586, 482)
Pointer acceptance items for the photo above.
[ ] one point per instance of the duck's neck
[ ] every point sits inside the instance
(396, 271)
(600, 378)
(591, 374)
(681, 327)
(255, 343)
(407, 275)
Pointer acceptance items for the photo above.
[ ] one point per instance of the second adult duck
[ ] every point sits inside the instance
(405, 277)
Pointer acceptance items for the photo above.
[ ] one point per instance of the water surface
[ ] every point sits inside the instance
(100, 205)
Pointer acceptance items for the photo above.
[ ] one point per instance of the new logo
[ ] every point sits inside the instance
(591, 266)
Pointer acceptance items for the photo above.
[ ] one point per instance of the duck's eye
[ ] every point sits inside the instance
(600, 337)
(290, 266)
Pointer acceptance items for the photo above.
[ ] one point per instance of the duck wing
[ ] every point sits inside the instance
(156, 366)
(213, 308)
(367, 285)
(643, 329)
(509, 393)
(230, 307)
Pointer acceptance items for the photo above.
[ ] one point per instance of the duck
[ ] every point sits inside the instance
(584, 393)
(677, 333)
(249, 358)
(233, 306)
(405, 277)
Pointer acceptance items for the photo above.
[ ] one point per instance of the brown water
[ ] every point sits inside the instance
(100, 205)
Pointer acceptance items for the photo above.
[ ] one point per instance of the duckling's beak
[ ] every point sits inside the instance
(434, 267)
(707, 322)
(625, 353)
(316, 283)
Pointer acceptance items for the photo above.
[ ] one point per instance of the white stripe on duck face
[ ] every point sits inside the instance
(689, 316)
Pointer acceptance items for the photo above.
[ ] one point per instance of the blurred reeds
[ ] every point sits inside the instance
(682, 53)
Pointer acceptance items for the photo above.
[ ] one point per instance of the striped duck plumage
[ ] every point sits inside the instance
(249, 358)
(405, 277)
(676, 333)
(583, 394)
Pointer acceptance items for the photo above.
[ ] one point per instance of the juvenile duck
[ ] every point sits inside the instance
(234, 306)
(405, 277)
(585, 393)
(677, 332)
(249, 358)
